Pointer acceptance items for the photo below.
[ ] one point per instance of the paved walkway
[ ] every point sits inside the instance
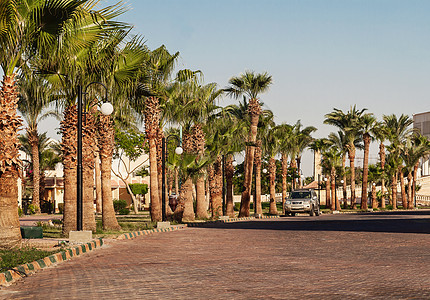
(370, 256)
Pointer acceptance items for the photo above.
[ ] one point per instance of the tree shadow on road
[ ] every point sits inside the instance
(392, 222)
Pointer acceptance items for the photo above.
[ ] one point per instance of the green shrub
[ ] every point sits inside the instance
(20, 212)
(61, 208)
(124, 211)
(119, 204)
(138, 188)
(390, 207)
(32, 209)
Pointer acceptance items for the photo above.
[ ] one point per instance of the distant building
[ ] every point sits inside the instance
(422, 123)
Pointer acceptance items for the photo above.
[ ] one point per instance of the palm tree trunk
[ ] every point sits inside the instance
(33, 140)
(333, 189)
(201, 209)
(10, 234)
(374, 202)
(394, 191)
(299, 179)
(153, 181)
(345, 196)
(402, 189)
(98, 183)
(215, 184)
(351, 155)
(106, 145)
(414, 181)
(229, 173)
(152, 121)
(272, 173)
(293, 166)
(410, 199)
(68, 148)
(382, 158)
(258, 210)
(366, 139)
(284, 180)
(327, 193)
(188, 211)
(254, 110)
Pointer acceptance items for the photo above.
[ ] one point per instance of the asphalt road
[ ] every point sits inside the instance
(345, 256)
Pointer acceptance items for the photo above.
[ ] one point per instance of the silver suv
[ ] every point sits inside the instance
(302, 201)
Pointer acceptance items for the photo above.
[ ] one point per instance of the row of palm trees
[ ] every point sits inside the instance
(356, 130)
(48, 49)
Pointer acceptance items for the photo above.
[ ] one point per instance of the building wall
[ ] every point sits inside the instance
(422, 123)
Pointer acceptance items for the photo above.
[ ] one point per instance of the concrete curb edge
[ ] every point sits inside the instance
(10, 276)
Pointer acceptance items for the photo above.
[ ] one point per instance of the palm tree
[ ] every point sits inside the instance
(29, 29)
(368, 125)
(381, 133)
(331, 160)
(349, 124)
(285, 140)
(34, 97)
(251, 85)
(375, 175)
(398, 133)
(271, 148)
(338, 140)
(302, 140)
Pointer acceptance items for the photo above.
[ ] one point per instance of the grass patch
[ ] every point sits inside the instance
(11, 258)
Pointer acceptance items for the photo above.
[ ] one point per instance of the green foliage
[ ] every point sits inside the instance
(143, 172)
(20, 212)
(124, 211)
(130, 142)
(11, 258)
(61, 208)
(32, 209)
(119, 204)
(138, 188)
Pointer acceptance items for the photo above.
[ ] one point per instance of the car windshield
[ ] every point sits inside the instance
(301, 195)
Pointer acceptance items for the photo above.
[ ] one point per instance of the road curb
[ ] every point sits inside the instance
(197, 224)
(132, 235)
(10, 276)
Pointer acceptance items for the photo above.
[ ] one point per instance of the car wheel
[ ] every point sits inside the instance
(312, 211)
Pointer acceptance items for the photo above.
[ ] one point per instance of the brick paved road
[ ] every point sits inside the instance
(371, 256)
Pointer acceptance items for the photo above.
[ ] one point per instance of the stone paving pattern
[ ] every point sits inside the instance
(366, 256)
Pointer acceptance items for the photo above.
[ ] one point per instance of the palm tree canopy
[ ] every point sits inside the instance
(249, 84)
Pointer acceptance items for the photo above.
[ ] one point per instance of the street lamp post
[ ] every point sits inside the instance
(106, 109)
(178, 151)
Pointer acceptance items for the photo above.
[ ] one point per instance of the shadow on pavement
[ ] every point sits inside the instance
(393, 222)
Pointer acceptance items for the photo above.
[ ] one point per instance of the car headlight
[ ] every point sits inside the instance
(287, 202)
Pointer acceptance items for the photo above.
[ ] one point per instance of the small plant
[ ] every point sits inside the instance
(32, 209)
(389, 207)
(119, 204)
(124, 211)
(20, 212)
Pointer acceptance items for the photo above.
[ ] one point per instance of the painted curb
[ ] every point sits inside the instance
(132, 235)
(197, 224)
(10, 276)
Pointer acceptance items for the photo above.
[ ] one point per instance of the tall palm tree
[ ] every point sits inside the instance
(375, 176)
(34, 98)
(29, 28)
(398, 133)
(338, 140)
(331, 160)
(368, 125)
(251, 85)
(349, 124)
(285, 140)
(381, 132)
(303, 139)
(270, 149)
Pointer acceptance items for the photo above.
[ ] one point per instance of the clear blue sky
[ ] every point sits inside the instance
(321, 54)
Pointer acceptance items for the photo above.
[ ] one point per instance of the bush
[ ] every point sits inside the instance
(124, 211)
(119, 204)
(20, 212)
(61, 208)
(32, 209)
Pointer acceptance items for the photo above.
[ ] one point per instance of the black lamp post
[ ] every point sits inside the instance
(178, 151)
(106, 109)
